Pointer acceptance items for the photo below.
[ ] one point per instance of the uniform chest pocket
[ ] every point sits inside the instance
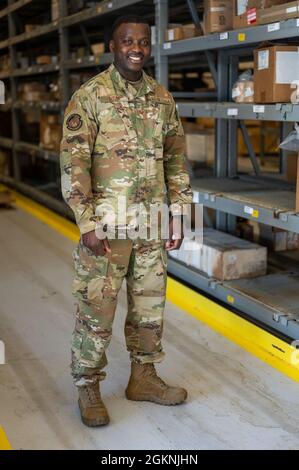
(150, 124)
(115, 126)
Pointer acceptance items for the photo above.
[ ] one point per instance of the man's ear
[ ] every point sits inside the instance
(111, 46)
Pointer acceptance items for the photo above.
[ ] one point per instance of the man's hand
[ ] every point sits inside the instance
(98, 247)
(176, 230)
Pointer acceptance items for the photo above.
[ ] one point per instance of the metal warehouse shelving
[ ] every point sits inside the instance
(270, 204)
(233, 39)
(269, 300)
(59, 33)
(283, 112)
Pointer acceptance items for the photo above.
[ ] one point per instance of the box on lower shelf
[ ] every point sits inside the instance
(223, 256)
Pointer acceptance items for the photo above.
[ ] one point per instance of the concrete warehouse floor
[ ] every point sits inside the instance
(235, 400)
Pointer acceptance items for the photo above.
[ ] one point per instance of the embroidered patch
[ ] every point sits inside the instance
(74, 122)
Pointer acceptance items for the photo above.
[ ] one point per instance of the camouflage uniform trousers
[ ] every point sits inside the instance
(97, 282)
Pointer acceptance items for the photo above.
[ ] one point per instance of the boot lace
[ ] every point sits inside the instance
(153, 374)
(93, 395)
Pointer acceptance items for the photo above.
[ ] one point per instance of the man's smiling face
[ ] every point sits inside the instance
(131, 46)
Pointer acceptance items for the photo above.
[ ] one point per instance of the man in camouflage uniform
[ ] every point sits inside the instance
(122, 137)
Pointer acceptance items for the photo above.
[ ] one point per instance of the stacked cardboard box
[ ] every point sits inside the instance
(245, 13)
(5, 63)
(218, 16)
(175, 32)
(276, 68)
(248, 12)
(281, 11)
(98, 49)
(200, 143)
(33, 91)
(50, 132)
(277, 239)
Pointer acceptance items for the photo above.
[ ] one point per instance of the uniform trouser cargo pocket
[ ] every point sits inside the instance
(90, 275)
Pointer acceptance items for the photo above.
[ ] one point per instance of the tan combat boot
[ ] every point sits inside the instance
(145, 385)
(93, 410)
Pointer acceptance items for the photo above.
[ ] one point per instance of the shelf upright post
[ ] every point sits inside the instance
(232, 145)
(221, 155)
(64, 55)
(161, 22)
(13, 87)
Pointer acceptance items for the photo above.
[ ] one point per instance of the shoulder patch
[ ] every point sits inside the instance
(74, 122)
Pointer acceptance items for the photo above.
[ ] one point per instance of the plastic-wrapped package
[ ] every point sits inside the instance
(243, 91)
(291, 142)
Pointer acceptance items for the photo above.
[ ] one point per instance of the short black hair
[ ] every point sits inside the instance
(128, 19)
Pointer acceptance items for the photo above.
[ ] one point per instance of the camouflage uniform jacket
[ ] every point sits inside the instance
(119, 141)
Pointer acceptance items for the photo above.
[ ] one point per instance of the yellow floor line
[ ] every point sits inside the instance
(253, 339)
(4, 442)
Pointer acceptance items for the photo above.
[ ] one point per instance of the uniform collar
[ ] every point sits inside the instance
(122, 86)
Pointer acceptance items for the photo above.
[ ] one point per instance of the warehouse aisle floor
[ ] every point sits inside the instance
(235, 400)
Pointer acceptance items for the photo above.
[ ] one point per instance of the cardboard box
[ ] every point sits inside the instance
(218, 16)
(44, 59)
(50, 132)
(33, 91)
(5, 63)
(174, 33)
(279, 12)
(98, 48)
(223, 256)
(191, 31)
(277, 239)
(31, 27)
(55, 10)
(200, 146)
(291, 163)
(275, 68)
(247, 12)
